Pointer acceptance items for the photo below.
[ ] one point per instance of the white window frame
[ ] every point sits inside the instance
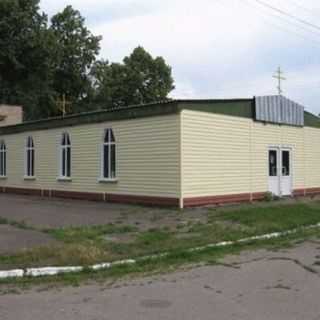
(3, 159)
(109, 143)
(29, 162)
(63, 148)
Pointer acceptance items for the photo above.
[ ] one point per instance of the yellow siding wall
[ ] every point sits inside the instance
(215, 154)
(312, 158)
(265, 135)
(147, 157)
(218, 155)
(224, 155)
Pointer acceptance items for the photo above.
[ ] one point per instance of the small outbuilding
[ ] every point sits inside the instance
(176, 153)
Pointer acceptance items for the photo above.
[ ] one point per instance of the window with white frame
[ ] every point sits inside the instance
(29, 158)
(65, 156)
(108, 167)
(3, 159)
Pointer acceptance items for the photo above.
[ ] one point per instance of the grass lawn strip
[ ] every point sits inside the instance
(87, 246)
(49, 271)
(176, 260)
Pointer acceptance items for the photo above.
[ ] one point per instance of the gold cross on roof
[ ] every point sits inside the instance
(62, 105)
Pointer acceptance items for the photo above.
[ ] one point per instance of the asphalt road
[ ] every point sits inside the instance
(259, 285)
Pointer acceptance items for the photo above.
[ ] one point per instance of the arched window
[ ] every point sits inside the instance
(108, 156)
(29, 159)
(3, 159)
(65, 156)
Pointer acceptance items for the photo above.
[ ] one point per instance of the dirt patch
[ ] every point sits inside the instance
(55, 213)
(187, 235)
(121, 238)
(14, 239)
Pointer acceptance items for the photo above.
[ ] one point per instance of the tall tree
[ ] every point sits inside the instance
(40, 63)
(77, 49)
(26, 48)
(139, 79)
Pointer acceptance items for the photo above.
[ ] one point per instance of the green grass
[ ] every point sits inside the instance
(274, 218)
(88, 245)
(3, 220)
(16, 224)
(88, 233)
(170, 263)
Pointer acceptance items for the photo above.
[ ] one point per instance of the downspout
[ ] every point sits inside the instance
(250, 161)
(180, 141)
(305, 178)
(250, 152)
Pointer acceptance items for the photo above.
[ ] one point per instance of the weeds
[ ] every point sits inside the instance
(88, 233)
(89, 245)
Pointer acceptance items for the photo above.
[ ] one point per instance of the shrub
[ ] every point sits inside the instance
(268, 196)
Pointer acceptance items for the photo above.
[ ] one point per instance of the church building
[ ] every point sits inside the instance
(176, 153)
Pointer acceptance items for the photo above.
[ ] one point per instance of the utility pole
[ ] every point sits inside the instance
(279, 76)
(62, 105)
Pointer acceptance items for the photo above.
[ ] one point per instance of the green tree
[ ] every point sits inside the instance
(139, 79)
(26, 48)
(77, 49)
(40, 62)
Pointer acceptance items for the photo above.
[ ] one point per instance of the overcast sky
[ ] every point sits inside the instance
(217, 48)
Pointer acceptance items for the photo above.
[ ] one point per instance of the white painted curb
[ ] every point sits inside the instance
(18, 273)
(101, 266)
(50, 271)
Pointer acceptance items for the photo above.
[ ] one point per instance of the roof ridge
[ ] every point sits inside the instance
(102, 111)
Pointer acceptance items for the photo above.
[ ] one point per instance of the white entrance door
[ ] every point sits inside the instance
(274, 172)
(286, 178)
(280, 175)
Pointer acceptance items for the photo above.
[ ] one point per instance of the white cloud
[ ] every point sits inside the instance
(216, 47)
(182, 31)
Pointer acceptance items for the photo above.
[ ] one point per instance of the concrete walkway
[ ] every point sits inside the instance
(260, 285)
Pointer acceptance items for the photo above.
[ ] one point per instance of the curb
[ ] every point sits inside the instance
(51, 271)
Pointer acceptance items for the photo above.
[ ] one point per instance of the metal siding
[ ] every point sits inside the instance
(227, 155)
(312, 157)
(147, 157)
(278, 109)
(216, 154)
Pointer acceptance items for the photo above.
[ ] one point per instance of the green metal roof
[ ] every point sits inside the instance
(131, 112)
(236, 107)
(244, 108)
(311, 120)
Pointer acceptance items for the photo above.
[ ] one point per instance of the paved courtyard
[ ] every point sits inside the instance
(260, 285)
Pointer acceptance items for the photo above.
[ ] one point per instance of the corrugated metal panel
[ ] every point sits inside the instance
(278, 109)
